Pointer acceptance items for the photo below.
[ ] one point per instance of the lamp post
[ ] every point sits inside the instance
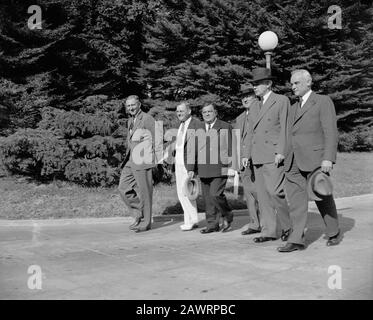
(268, 42)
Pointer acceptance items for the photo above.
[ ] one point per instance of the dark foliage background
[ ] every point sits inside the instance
(62, 87)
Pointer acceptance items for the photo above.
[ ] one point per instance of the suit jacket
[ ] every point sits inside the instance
(214, 150)
(312, 133)
(268, 132)
(144, 142)
(243, 123)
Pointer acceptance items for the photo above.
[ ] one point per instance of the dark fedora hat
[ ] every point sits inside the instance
(191, 188)
(246, 89)
(318, 183)
(261, 74)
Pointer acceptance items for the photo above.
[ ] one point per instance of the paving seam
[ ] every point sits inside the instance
(79, 221)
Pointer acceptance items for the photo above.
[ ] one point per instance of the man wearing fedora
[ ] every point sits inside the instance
(214, 158)
(267, 136)
(311, 143)
(184, 162)
(245, 167)
(136, 180)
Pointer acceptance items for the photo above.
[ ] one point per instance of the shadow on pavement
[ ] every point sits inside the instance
(162, 224)
(316, 227)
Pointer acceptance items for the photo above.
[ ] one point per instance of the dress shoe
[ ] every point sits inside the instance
(289, 247)
(141, 229)
(249, 231)
(185, 227)
(285, 234)
(226, 226)
(209, 230)
(263, 239)
(333, 241)
(135, 223)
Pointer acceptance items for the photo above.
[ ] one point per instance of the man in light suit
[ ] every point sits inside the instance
(267, 153)
(185, 161)
(245, 166)
(144, 146)
(311, 143)
(214, 158)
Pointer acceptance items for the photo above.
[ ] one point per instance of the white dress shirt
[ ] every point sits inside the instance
(265, 97)
(211, 124)
(186, 125)
(305, 98)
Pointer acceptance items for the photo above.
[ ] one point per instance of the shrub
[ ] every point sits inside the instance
(109, 148)
(359, 140)
(35, 152)
(346, 142)
(91, 172)
(75, 124)
(86, 146)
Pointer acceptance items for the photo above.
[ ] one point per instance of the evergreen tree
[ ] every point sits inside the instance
(198, 48)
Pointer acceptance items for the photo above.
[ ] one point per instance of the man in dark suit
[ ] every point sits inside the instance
(185, 161)
(214, 158)
(245, 167)
(144, 145)
(311, 143)
(267, 153)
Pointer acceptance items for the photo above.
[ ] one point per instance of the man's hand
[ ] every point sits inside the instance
(190, 174)
(278, 159)
(326, 166)
(245, 162)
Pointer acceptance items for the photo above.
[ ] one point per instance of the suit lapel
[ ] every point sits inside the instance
(241, 124)
(216, 126)
(307, 106)
(267, 105)
(293, 113)
(135, 126)
(191, 126)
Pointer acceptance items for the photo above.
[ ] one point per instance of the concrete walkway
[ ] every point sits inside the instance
(108, 261)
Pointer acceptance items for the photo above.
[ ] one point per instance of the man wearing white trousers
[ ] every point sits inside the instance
(185, 161)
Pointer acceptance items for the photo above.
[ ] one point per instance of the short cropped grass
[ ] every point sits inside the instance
(22, 198)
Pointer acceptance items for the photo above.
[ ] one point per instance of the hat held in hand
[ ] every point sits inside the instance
(318, 183)
(191, 188)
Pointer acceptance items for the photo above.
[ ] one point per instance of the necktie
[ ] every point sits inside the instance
(208, 127)
(261, 102)
(298, 111)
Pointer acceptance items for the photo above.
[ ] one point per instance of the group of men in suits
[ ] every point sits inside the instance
(283, 145)
(280, 145)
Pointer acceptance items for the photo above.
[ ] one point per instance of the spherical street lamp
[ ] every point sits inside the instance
(268, 41)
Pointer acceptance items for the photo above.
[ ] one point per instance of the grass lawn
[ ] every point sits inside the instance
(353, 174)
(24, 199)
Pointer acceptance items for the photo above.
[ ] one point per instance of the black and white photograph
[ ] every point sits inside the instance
(186, 155)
